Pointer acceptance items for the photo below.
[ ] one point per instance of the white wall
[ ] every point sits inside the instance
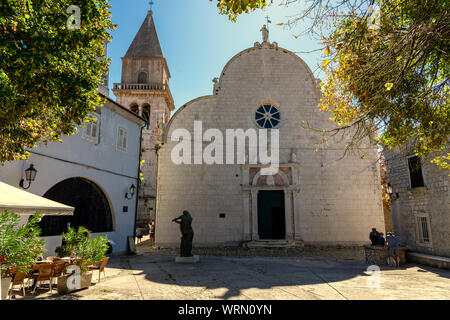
(112, 170)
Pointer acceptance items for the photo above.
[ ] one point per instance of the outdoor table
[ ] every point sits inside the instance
(43, 261)
(69, 259)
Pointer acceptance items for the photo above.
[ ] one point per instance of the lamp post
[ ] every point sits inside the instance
(30, 176)
(132, 190)
(392, 195)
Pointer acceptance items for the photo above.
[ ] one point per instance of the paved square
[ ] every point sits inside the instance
(151, 276)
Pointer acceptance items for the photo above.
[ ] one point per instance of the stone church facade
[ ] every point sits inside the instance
(315, 198)
(144, 89)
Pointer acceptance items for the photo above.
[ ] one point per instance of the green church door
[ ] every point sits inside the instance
(271, 218)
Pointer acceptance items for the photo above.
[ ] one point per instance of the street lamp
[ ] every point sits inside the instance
(132, 190)
(392, 195)
(30, 176)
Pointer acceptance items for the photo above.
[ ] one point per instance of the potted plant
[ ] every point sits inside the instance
(20, 246)
(86, 251)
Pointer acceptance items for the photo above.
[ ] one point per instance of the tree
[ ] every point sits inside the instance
(51, 63)
(20, 246)
(387, 69)
(392, 75)
(233, 8)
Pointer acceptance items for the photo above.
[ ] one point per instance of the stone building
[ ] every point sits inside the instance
(315, 198)
(92, 171)
(144, 89)
(420, 203)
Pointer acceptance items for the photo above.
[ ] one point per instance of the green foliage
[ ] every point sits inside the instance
(87, 250)
(62, 251)
(49, 74)
(234, 8)
(387, 69)
(20, 246)
(392, 76)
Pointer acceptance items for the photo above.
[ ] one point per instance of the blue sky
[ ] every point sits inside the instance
(197, 42)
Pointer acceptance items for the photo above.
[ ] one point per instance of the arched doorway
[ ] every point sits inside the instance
(92, 208)
(271, 215)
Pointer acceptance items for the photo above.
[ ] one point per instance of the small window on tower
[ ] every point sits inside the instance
(142, 77)
(146, 111)
(134, 108)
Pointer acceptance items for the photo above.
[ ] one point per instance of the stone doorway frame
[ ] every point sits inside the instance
(251, 189)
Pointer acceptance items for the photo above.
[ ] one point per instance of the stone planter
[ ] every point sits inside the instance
(6, 283)
(63, 287)
(379, 255)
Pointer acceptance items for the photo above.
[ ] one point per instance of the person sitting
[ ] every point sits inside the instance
(373, 236)
(381, 240)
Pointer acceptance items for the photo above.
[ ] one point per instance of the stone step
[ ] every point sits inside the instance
(429, 260)
(274, 244)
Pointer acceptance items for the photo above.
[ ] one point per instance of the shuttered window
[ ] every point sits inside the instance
(122, 139)
(91, 131)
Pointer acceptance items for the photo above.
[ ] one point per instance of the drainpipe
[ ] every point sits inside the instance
(138, 181)
(157, 187)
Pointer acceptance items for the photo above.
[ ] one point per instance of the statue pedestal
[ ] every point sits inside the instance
(193, 259)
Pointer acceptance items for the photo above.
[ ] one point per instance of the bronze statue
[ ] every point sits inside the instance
(185, 222)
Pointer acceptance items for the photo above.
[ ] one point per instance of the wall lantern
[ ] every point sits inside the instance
(30, 175)
(394, 196)
(132, 190)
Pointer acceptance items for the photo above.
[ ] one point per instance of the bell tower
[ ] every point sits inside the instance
(144, 89)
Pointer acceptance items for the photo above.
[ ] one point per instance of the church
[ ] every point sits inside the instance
(317, 196)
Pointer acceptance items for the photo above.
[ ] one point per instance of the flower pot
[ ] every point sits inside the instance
(67, 283)
(6, 283)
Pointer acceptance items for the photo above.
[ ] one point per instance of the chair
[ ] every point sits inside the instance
(18, 279)
(45, 273)
(100, 266)
(59, 268)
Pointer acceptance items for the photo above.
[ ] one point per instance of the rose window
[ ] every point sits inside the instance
(267, 117)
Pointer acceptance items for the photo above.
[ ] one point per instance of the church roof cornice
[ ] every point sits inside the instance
(267, 47)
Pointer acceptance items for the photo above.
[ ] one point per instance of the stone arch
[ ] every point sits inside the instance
(146, 113)
(134, 107)
(93, 208)
(142, 77)
(282, 50)
(280, 173)
(178, 112)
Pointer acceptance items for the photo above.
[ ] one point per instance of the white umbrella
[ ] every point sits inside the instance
(25, 203)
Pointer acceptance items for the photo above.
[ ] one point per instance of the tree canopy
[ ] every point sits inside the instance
(52, 60)
(387, 68)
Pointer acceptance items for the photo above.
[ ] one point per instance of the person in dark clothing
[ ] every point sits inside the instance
(381, 240)
(373, 236)
(392, 244)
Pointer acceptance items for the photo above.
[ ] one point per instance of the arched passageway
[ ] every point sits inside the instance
(92, 208)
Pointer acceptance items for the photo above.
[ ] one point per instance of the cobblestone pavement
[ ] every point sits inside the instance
(152, 276)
